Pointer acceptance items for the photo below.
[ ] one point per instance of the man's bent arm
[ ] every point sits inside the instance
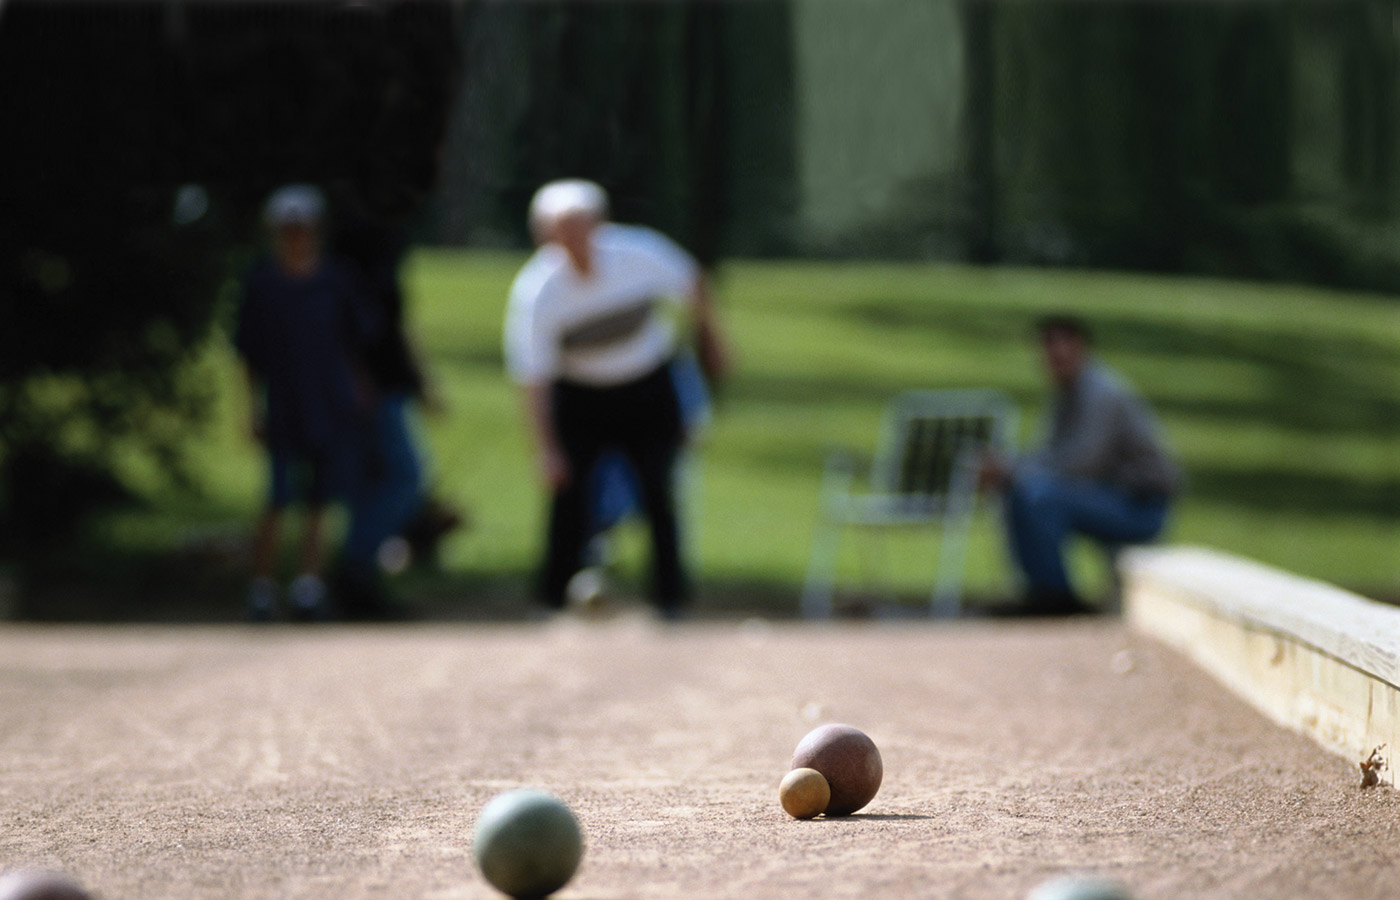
(709, 337)
(539, 412)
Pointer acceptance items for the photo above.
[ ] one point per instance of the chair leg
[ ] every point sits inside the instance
(1113, 598)
(946, 602)
(820, 584)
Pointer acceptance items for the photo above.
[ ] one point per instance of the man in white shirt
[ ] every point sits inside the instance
(587, 341)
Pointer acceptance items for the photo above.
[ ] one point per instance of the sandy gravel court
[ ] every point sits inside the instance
(347, 762)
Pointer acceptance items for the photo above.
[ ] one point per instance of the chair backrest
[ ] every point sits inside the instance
(927, 433)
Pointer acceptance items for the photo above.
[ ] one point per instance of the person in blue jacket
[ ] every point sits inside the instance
(299, 324)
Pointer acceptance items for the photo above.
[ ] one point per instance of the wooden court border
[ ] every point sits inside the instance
(1311, 656)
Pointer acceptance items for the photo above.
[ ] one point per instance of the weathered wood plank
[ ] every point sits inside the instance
(1309, 655)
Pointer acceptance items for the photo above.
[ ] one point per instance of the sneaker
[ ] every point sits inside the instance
(362, 597)
(671, 613)
(587, 590)
(433, 522)
(262, 600)
(395, 556)
(308, 596)
(1055, 603)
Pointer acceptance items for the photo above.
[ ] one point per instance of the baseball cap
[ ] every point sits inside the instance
(561, 198)
(295, 204)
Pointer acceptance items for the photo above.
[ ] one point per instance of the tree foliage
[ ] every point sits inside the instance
(139, 141)
(1117, 132)
(683, 110)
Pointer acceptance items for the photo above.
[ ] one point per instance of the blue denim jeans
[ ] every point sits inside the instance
(1044, 509)
(615, 490)
(390, 489)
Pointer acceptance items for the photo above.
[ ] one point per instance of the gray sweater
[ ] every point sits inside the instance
(1101, 430)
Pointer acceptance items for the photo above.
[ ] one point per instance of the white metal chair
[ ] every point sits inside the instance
(924, 474)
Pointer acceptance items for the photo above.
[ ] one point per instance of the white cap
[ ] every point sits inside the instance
(295, 204)
(565, 197)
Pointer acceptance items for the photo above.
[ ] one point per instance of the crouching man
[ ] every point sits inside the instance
(1103, 472)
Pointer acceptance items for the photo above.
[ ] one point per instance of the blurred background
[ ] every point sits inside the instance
(889, 193)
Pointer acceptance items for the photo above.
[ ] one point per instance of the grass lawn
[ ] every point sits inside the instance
(1282, 401)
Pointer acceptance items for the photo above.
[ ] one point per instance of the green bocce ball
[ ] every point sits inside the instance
(1080, 887)
(527, 844)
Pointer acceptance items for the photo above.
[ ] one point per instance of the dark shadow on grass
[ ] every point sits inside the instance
(99, 584)
(1265, 489)
(141, 589)
(800, 390)
(1280, 491)
(1318, 382)
(480, 357)
(804, 390)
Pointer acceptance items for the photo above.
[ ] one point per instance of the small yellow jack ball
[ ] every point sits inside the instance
(804, 793)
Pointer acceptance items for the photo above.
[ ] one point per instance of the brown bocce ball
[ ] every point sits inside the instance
(848, 759)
